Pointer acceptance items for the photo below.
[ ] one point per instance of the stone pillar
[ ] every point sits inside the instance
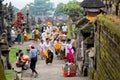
(2, 73)
(5, 50)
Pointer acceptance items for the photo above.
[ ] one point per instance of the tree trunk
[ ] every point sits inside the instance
(70, 26)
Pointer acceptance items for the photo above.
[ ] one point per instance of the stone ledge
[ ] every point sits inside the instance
(20, 76)
(17, 69)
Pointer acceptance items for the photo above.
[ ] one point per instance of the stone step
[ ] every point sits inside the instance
(18, 70)
(84, 78)
(67, 78)
(19, 75)
(13, 75)
(26, 79)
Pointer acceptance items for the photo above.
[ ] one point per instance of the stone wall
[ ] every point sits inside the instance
(107, 50)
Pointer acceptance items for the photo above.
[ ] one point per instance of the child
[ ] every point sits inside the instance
(69, 51)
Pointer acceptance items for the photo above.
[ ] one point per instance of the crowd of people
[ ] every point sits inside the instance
(51, 40)
(18, 35)
(54, 37)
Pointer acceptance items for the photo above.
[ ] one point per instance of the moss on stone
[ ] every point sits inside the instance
(88, 28)
(91, 73)
(89, 40)
(107, 22)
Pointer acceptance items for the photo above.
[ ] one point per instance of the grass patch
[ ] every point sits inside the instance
(12, 54)
(8, 74)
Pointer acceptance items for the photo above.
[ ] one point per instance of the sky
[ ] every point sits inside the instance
(21, 3)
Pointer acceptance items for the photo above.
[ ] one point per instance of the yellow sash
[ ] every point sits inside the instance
(46, 53)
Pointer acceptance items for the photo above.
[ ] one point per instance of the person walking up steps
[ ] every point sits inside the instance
(64, 29)
(63, 46)
(69, 51)
(49, 52)
(22, 36)
(19, 36)
(12, 35)
(42, 50)
(36, 35)
(57, 48)
(33, 59)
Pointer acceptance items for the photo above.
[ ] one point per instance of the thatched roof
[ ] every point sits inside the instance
(92, 4)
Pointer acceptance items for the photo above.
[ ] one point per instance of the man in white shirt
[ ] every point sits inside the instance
(12, 35)
(43, 36)
(64, 29)
(49, 28)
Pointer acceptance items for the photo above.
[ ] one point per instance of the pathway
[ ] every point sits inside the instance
(47, 72)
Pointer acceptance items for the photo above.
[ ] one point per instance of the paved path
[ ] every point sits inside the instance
(47, 72)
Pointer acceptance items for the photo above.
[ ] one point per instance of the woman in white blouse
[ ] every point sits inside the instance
(49, 52)
(42, 50)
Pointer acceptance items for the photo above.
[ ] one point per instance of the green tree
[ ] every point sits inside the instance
(59, 9)
(41, 7)
(72, 9)
(15, 10)
(24, 10)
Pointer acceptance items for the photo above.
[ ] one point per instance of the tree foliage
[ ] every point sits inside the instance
(59, 8)
(72, 9)
(15, 9)
(40, 7)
